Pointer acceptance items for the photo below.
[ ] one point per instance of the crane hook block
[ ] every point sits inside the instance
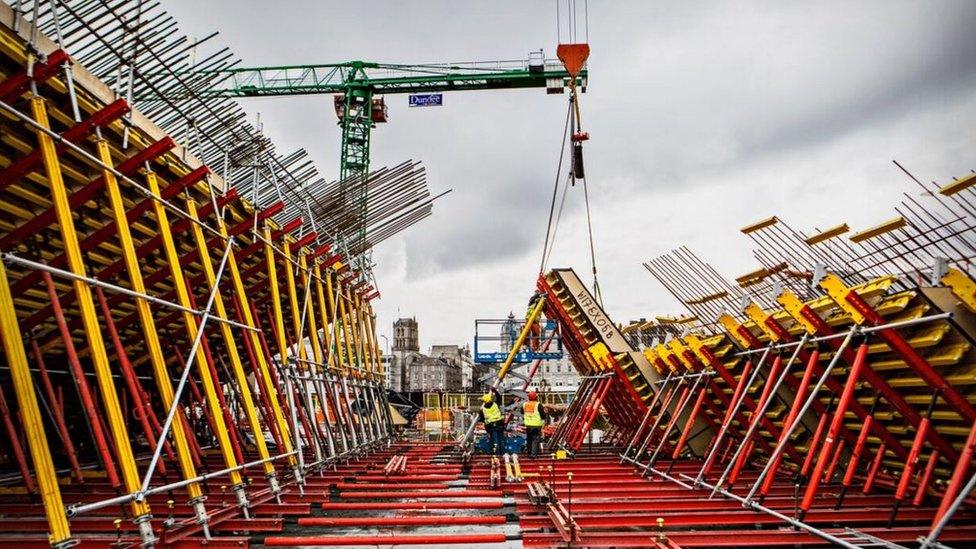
(578, 172)
(573, 57)
(580, 137)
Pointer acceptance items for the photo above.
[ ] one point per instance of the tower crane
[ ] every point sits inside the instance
(360, 86)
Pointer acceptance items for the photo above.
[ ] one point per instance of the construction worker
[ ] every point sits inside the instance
(535, 329)
(491, 415)
(534, 417)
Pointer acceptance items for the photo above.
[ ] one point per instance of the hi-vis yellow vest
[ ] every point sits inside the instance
(492, 413)
(531, 415)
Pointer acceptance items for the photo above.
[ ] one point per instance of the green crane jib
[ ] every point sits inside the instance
(360, 85)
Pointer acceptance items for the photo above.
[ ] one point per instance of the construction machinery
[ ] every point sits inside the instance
(360, 88)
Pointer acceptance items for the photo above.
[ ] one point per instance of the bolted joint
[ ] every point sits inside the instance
(273, 483)
(146, 535)
(241, 495)
(65, 543)
(200, 511)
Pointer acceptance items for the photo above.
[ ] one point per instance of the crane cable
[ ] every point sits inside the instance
(589, 228)
(572, 125)
(552, 227)
(559, 214)
(572, 23)
(546, 245)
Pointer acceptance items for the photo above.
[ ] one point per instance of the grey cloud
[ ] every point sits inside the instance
(704, 116)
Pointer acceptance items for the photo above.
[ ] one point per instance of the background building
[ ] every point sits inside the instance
(470, 372)
(405, 350)
(406, 335)
(444, 368)
(429, 373)
(556, 375)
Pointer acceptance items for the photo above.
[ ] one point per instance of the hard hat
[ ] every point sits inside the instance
(486, 398)
(533, 396)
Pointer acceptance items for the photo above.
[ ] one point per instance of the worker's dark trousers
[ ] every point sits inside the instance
(533, 437)
(496, 435)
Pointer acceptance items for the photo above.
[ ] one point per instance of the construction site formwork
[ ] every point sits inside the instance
(189, 356)
(834, 382)
(179, 361)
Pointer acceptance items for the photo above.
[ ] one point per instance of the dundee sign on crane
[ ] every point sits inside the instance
(427, 100)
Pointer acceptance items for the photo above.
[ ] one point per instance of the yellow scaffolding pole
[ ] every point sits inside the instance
(337, 340)
(183, 298)
(30, 416)
(279, 322)
(330, 358)
(324, 313)
(533, 316)
(366, 368)
(342, 320)
(344, 324)
(313, 328)
(377, 353)
(279, 319)
(354, 327)
(235, 359)
(326, 322)
(269, 388)
(149, 333)
(296, 312)
(93, 334)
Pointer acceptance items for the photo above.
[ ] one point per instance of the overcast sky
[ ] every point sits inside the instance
(704, 117)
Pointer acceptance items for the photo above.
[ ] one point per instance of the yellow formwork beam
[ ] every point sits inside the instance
(344, 318)
(794, 306)
(958, 185)
(732, 328)
(758, 317)
(263, 367)
(679, 351)
(351, 367)
(366, 360)
(86, 306)
(697, 347)
(962, 286)
(149, 333)
(244, 388)
(665, 353)
(599, 353)
(30, 416)
(878, 230)
(190, 321)
(827, 234)
(837, 290)
(277, 313)
(651, 357)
